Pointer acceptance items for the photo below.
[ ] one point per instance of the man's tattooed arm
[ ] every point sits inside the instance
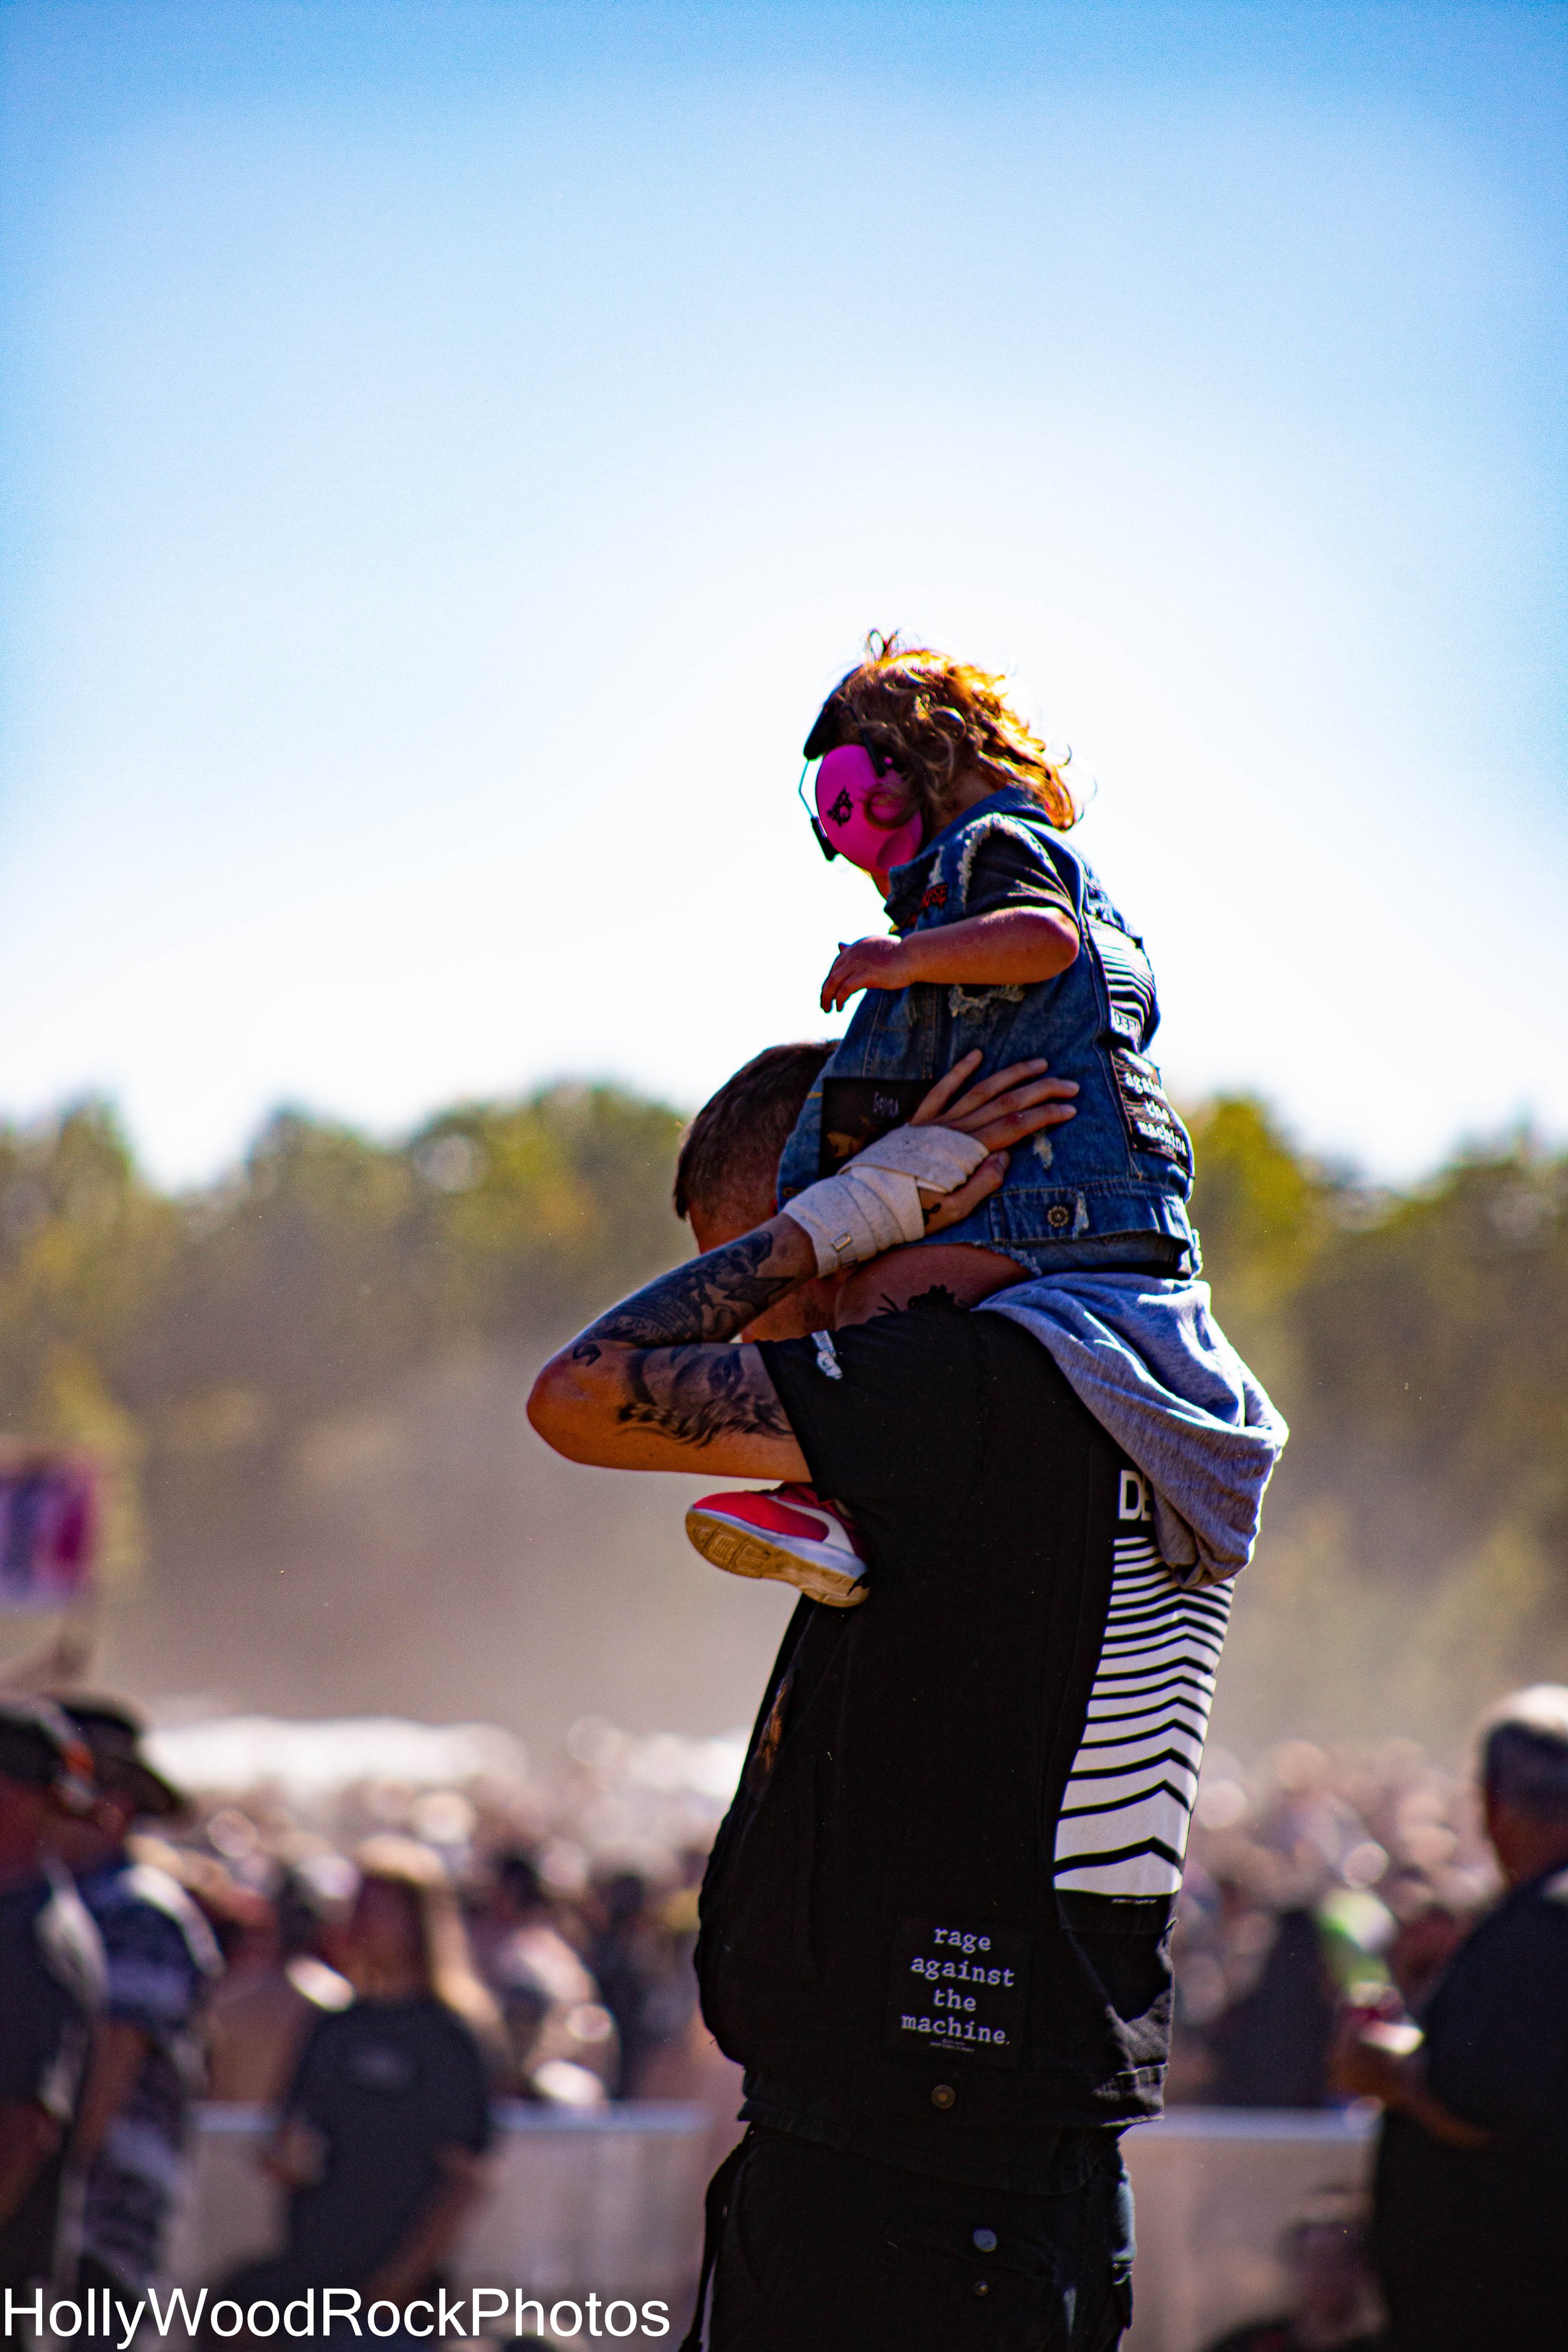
(710, 1298)
(655, 1381)
(696, 1394)
(655, 1378)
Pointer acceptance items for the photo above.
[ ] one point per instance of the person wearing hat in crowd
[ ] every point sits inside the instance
(51, 1981)
(127, 2151)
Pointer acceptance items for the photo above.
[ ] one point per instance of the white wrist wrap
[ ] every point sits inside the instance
(874, 1203)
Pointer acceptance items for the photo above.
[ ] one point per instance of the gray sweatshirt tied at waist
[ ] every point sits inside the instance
(1154, 1366)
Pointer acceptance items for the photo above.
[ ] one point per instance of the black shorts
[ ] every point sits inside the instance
(841, 2253)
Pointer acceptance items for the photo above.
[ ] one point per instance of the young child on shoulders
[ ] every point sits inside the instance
(1004, 942)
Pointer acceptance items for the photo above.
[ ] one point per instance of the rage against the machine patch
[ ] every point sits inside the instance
(959, 1992)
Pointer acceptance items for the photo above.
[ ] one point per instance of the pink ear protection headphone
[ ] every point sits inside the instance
(852, 794)
(850, 798)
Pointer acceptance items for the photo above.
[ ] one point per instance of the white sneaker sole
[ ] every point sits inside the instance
(742, 1551)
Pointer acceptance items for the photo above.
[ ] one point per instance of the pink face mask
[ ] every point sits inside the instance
(850, 796)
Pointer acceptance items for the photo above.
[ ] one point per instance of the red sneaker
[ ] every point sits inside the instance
(787, 1533)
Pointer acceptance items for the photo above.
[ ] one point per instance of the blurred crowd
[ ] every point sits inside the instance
(290, 1913)
(1319, 1881)
(577, 1898)
(375, 1958)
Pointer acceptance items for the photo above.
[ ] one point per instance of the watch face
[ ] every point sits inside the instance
(858, 1111)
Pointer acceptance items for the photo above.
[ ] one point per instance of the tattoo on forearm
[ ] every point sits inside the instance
(710, 1298)
(665, 1343)
(695, 1394)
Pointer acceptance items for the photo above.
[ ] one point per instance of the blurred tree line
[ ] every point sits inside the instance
(199, 1344)
(1415, 1543)
(1415, 1557)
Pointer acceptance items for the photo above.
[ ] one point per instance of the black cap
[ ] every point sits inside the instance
(40, 1748)
(114, 1735)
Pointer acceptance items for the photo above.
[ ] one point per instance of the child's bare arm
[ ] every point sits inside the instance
(1013, 947)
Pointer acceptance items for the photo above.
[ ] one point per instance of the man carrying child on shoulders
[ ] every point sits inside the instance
(988, 1769)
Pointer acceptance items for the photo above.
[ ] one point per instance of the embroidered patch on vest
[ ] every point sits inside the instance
(1151, 1124)
(959, 1992)
(858, 1111)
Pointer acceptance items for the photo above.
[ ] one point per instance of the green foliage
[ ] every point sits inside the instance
(187, 1342)
(330, 1263)
(1416, 1545)
(1264, 1213)
(85, 1251)
(1439, 1339)
(223, 1352)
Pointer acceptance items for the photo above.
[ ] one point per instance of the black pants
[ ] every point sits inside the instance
(840, 2254)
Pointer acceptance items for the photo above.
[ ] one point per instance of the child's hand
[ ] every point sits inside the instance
(864, 963)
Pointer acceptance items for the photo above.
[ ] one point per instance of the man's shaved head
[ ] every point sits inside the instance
(728, 1167)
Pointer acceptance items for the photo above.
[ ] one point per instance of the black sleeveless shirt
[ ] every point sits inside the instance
(923, 1933)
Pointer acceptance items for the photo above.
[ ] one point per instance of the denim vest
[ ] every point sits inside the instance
(1124, 1166)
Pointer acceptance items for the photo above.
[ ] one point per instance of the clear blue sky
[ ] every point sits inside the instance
(448, 450)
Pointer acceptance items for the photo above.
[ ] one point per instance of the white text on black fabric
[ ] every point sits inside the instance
(959, 1991)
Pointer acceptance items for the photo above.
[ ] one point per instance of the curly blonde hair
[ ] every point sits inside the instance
(937, 722)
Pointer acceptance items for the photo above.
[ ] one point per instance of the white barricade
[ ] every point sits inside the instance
(604, 2200)
(610, 2202)
(1214, 2189)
